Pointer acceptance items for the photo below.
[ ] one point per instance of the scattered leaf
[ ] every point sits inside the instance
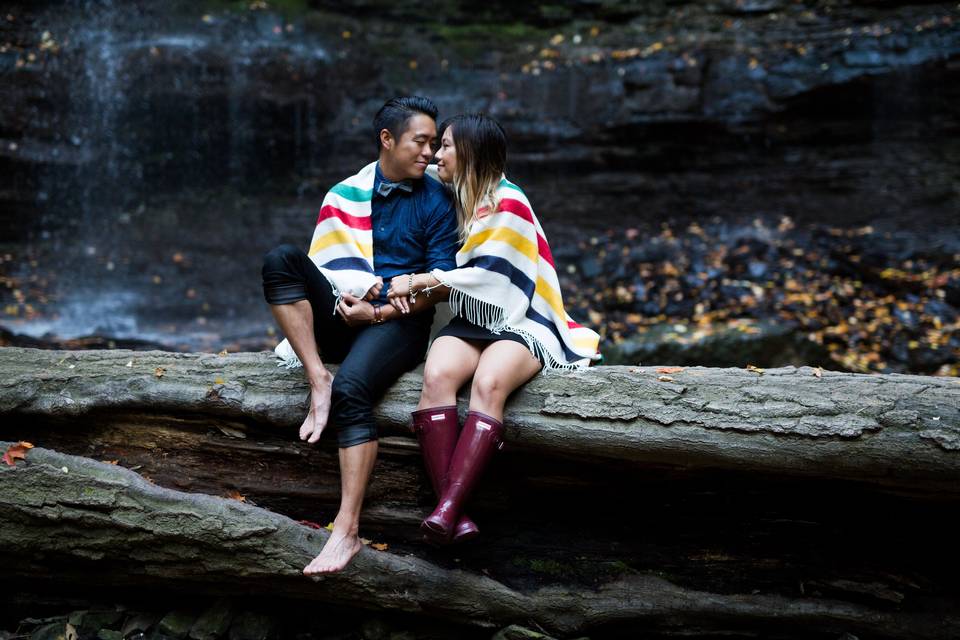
(235, 495)
(312, 525)
(130, 364)
(665, 379)
(670, 369)
(365, 541)
(379, 546)
(329, 526)
(756, 370)
(64, 469)
(15, 451)
(223, 354)
(219, 380)
(110, 461)
(818, 372)
(159, 371)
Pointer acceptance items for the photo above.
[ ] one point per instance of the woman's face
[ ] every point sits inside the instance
(447, 156)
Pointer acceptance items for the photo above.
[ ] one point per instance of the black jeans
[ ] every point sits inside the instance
(371, 357)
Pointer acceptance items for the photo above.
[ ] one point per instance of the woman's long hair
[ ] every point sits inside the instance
(481, 149)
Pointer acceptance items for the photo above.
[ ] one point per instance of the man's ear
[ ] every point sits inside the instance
(386, 139)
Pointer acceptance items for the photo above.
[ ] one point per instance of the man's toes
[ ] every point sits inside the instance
(315, 436)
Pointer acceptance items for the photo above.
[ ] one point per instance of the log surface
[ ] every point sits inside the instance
(783, 421)
(107, 519)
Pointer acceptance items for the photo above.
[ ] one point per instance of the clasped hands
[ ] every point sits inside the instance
(359, 311)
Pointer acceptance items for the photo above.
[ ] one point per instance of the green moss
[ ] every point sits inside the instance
(546, 566)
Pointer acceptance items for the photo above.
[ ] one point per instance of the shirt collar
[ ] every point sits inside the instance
(402, 185)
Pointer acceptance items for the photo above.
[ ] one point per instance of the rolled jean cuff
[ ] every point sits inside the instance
(352, 435)
(284, 292)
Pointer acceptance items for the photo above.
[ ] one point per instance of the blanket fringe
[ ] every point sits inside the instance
(494, 318)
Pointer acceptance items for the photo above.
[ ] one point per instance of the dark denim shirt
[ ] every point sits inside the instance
(412, 232)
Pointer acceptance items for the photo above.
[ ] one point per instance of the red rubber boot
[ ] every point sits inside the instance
(437, 430)
(481, 435)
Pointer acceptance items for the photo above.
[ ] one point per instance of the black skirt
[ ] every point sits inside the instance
(466, 330)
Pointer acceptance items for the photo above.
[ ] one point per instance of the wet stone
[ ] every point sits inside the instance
(52, 631)
(516, 632)
(375, 629)
(138, 623)
(251, 626)
(214, 622)
(175, 624)
(109, 634)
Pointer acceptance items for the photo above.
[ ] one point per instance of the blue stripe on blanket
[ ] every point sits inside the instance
(520, 280)
(354, 264)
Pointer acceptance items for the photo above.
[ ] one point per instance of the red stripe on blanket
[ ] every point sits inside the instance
(517, 208)
(354, 222)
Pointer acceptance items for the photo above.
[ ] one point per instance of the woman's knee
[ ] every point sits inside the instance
(439, 379)
(488, 387)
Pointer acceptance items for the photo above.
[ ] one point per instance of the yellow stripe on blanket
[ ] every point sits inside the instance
(507, 235)
(339, 236)
(551, 295)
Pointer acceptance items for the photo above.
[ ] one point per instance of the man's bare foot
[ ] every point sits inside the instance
(319, 412)
(336, 554)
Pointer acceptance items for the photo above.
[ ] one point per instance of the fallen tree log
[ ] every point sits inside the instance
(781, 421)
(656, 500)
(81, 516)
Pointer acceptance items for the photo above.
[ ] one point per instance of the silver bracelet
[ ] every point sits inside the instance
(412, 293)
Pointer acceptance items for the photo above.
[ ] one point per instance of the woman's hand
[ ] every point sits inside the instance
(399, 286)
(375, 290)
(399, 294)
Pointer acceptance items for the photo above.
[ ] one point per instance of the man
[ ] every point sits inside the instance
(412, 224)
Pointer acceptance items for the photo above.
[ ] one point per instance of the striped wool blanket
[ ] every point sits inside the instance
(342, 244)
(506, 280)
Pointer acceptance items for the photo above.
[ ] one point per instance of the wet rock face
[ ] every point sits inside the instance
(154, 95)
(619, 113)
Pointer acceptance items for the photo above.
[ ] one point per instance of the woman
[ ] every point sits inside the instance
(509, 319)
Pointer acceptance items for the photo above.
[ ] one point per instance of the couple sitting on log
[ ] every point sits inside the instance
(391, 242)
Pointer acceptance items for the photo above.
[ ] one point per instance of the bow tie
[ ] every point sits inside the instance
(385, 187)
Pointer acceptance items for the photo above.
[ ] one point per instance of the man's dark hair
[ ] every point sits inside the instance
(396, 113)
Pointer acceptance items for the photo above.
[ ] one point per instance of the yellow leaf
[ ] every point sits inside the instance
(329, 527)
(219, 380)
(379, 546)
(756, 370)
(159, 371)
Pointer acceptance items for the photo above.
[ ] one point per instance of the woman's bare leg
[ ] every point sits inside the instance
(296, 323)
(450, 364)
(503, 367)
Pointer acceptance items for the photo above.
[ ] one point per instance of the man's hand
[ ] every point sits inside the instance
(354, 311)
(375, 290)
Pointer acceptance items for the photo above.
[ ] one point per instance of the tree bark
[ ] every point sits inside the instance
(722, 501)
(104, 518)
(783, 421)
